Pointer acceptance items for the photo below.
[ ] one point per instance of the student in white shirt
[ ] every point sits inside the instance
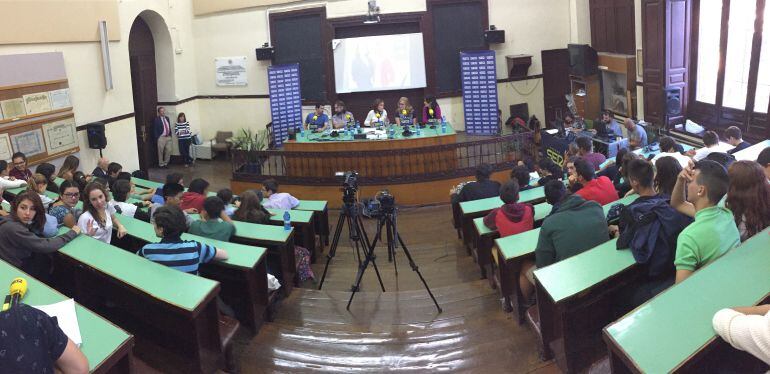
(7, 182)
(377, 115)
(668, 149)
(120, 192)
(746, 329)
(711, 142)
(276, 200)
(98, 216)
(40, 185)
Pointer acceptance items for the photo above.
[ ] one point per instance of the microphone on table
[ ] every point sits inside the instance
(403, 111)
(431, 112)
(17, 291)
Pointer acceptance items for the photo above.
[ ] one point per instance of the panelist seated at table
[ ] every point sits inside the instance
(431, 111)
(341, 116)
(405, 113)
(378, 115)
(318, 120)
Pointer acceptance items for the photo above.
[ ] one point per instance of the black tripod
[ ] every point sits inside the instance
(388, 220)
(357, 233)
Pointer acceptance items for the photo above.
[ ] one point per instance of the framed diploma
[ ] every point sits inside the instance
(37, 103)
(60, 136)
(60, 99)
(29, 142)
(13, 108)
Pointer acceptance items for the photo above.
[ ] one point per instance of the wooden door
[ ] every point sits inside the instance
(141, 51)
(555, 83)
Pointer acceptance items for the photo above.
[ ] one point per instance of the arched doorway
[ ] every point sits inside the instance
(141, 52)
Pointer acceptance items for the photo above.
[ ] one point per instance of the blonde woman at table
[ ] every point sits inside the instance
(378, 114)
(405, 113)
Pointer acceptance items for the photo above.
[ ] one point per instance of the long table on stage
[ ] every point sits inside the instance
(320, 155)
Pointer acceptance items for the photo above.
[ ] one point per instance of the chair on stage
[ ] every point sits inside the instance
(222, 143)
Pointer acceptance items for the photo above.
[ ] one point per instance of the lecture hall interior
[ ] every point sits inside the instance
(475, 186)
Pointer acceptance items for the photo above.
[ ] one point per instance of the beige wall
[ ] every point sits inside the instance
(47, 21)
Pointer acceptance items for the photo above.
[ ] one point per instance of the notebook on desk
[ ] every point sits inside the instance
(64, 312)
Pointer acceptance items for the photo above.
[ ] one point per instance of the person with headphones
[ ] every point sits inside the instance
(378, 115)
(318, 120)
(405, 113)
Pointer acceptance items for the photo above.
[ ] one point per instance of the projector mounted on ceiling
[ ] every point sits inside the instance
(373, 15)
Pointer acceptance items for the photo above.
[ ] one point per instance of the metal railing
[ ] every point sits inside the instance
(379, 167)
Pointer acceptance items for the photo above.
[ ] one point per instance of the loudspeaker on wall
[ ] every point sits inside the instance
(96, 137)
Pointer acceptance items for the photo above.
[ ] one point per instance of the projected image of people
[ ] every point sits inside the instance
(377, 63)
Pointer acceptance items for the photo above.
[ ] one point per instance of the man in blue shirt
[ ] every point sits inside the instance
(637, 135)
(318, 120)
(612, 126)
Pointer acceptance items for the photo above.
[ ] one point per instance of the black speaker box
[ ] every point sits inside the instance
(96, 137)
(265, 53)
(583, 60)
(673, 101)
(494, 36)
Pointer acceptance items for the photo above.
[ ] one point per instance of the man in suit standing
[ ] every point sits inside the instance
(161, 128)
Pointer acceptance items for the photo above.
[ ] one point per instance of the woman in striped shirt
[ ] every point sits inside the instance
(184, 135)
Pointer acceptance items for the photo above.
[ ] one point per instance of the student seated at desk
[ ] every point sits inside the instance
(431, 111)
(19, 170)
(697, 192)
(648, 227)
(172, 194)
(39, 184)
(513, 217)
(585, 151)
(572, 181)
(734, 137)
(405, 113)
(113, 170)
(598, 189)
(100, 171)
(576, 227)
(48, 171)
(120, 192)
(144, 196)
(748, 197)
(520, 174)
(176, 178)
(554, 192)
(195, 195)
(172, 251)
(764, 161)
(251, 210)
(44, 345)
(548, 171)
(98, 216)
(638, 129)
(226, 195)
(20, 246)
(668, 149)
(746, 329)
(378, 115)
(667, 169)
(711, 142)
(214, 223)
(7, 181)
(275, 199)
(65, 209)
(316, 121)
(482, 188)
(69, 167)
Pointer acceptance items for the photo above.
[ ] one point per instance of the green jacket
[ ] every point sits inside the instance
(577, 226)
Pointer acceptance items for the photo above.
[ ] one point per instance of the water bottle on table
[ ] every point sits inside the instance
(301, 131)
(286, 221)
(443, 124)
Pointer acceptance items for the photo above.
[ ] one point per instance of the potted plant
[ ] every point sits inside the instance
(512, 149)
(251, 142)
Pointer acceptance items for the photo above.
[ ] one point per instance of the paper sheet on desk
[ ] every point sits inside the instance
(64, 311)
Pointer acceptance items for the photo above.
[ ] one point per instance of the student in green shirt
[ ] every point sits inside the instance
(698, 190)
(214, 223)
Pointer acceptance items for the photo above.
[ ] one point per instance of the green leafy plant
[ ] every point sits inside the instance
(248, 140)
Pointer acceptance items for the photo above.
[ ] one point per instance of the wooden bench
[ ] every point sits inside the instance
(673, 332)
(173, 314)
(243, 276)
(280, 249)
(320, 209)
(107, 347)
